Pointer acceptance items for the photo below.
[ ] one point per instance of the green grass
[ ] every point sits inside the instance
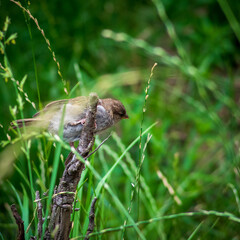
(184, 181)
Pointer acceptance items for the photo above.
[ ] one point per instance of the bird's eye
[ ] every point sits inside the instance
(122, 114)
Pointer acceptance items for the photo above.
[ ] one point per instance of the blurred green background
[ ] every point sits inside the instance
(194, 95)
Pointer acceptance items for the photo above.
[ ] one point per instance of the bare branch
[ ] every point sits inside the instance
(19, 222)
(91, 219)
(90, 154)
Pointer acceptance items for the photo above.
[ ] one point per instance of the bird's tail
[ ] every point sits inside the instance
(24, 122)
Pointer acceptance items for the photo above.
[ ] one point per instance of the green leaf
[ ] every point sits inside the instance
(6, 24)
(23, 81)
(11, 38)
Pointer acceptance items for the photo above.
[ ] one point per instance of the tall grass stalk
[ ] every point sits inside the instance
(33, 55)
(137, 183)
(171, 31)
(234, 23)
(140, 154)
(227, 215)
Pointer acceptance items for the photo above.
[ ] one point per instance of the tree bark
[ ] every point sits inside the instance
(19, 222)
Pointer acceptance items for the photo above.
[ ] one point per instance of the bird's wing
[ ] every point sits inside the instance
(52, 106)
(74, 109)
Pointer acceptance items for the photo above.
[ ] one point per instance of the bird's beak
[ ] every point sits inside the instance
(126, 117)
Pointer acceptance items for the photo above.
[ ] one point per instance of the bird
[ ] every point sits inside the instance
(109, 112)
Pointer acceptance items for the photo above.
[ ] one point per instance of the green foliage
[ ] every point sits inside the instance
(185, 183)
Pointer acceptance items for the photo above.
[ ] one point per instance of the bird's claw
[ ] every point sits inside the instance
(82, 122)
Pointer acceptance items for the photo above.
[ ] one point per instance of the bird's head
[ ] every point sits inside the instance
(115, 108)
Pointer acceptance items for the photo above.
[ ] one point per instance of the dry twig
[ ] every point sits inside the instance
(19, 222)
(91, 219)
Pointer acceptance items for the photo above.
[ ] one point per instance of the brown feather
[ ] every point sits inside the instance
(56, 105)
(19, 123)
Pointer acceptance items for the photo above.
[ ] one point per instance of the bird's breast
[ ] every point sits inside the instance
(103, 119)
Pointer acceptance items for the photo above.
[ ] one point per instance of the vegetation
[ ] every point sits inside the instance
(183, 183)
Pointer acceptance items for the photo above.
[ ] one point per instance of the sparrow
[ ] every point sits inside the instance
(109, 112)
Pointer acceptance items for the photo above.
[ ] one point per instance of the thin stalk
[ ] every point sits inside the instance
(227, 215)
(34, 59)
(140, 140)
